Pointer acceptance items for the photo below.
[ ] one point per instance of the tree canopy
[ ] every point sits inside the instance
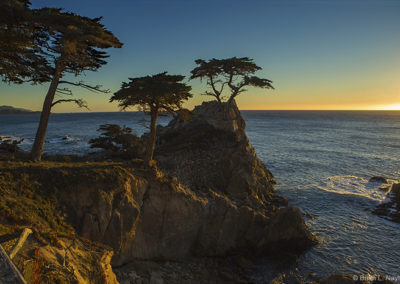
(234, 73)
(153, 95)
(20, 36)
(68, 43)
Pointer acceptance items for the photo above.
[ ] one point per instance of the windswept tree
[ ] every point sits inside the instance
(45, 45)
(74, 45)
(233, 73)
(20, 59)
(154, 95)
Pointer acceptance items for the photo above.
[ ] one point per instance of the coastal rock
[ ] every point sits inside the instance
(391, 208)
(211, 151)
(378, 179)
(216, 198)
(209, 196)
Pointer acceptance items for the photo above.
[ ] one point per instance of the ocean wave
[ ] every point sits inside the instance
(9, 138)
(66, 139)
(374, 190)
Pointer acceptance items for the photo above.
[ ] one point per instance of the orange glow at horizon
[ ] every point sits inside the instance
(389, 107)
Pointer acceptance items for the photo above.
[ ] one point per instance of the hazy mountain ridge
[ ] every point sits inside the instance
(14, 110)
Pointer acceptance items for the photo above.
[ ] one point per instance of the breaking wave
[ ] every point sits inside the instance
(371, 189)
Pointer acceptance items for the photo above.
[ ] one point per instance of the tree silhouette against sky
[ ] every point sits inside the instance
(233, 73)
(44, 45)
(73, 46)
(20, 60)
(154, 95)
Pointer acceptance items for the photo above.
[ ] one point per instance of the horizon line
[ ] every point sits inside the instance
(360, 110)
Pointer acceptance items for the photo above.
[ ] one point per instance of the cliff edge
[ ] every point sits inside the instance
(209, 196)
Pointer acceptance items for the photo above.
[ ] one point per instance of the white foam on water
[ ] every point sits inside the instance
(9, 138)
(357, 186)
(66, 139)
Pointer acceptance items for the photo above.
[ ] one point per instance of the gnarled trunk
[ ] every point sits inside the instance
(37, 148)
(152, 139)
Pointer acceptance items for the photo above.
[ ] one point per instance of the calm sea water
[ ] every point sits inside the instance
(322, 161)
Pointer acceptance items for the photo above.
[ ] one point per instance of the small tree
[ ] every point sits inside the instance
(120, 140)
(236, 73)
(154, 95)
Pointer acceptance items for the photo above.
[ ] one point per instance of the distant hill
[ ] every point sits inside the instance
(14, 110)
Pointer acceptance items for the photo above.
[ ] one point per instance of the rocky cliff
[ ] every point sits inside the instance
(209, 196)
(216, 198)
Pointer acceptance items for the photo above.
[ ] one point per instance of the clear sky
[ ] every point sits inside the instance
(320, 54)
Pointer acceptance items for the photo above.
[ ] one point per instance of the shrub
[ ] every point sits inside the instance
(121, 141)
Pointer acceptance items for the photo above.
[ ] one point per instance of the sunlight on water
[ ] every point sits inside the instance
(357, 186)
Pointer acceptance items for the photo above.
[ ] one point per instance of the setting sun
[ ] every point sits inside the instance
(389, 107)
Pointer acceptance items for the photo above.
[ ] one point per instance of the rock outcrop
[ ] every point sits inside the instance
(209, 196)
(390, 209)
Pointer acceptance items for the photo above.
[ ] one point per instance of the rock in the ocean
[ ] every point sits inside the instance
(378, 179)
(391, 209)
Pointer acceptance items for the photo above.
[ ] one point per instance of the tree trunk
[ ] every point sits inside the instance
(152, 139)
(37, 149)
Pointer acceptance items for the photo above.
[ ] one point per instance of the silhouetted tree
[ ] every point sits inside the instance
(234, 72)
(73, 45)
(43, 45)
(154, 95)
(20, 36)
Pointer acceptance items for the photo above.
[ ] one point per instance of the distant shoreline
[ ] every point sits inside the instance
(13, 110)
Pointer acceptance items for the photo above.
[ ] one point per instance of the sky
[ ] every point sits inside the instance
(320, 54)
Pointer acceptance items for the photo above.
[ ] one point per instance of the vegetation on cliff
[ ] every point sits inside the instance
(154, 95)
(119, 141)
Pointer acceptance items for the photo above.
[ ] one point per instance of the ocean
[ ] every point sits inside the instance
(322, 161)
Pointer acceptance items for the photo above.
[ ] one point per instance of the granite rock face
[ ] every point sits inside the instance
(209, 196)
(216, 198)
(211, 151)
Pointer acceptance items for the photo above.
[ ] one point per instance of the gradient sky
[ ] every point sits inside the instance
(320, 54)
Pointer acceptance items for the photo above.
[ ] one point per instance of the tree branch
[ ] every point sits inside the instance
(217, 94)
(64, 91)
(94, 89)
(79, 102)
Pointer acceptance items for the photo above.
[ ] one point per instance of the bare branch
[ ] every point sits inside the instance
(64, 91)
(81, 84)
(79, 102)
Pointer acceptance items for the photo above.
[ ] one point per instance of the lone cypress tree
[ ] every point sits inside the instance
(153, 95)
(236, 73)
